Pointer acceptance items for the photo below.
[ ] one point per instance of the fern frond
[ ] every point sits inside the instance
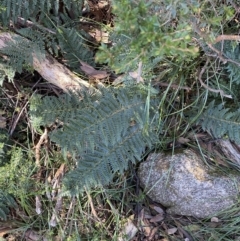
(231, 50)
(12, 9)
(98, 167)
(74, 48)
(6, 202)
(103, 131)
(221, 121)
(20, 51)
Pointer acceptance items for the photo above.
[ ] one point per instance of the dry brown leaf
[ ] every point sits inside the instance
(172, 231)
(100, 36)
(90, 71)
(157, 218)
(60, 172)
(32, 235)
(56, 180)
(148, 216)
(134, 75)
(137, 74)
(153, 232)
(147, 230)
(118, 80)
(157, 209)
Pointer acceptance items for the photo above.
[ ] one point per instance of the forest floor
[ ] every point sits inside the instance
(120, 212)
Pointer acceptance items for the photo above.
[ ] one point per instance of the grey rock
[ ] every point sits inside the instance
(185, 185)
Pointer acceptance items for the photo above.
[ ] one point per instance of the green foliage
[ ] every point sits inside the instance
(3, 149)
(12, 9)
(221, 121)
(141, 33)
(15, 174)
(102, 130)
(47, 33)
(232, 51)
(6, 202)
(20, 50)
(74, 48)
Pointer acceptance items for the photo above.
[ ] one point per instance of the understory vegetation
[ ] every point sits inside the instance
(88, 89)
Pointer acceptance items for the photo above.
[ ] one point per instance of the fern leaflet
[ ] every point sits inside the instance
(221, 121)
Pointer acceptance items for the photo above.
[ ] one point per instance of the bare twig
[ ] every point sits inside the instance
(226, 37)
(71, 207)
(220, 38)
(17, 119)
(28, 23)
(38, 146)
(92, 206)
(221, 92)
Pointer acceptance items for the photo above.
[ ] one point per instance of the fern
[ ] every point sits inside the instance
(74, 48)
(221, 121)
(41, 35)
(230, 50)
(12, 9)
(103, 131)
(6, 202)
(20, 51)
(233, 53)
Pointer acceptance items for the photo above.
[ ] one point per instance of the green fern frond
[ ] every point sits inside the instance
(231, 50)
(20, 51)
(221, 121)
(74, 48)
(99, 166)
(47, 16)
(6, 202)
(103, 131)
(12, 9)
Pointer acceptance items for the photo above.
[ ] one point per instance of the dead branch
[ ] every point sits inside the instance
(230, 152)
(226, 37)
(220, 38)
(49, 68)
(38, 147)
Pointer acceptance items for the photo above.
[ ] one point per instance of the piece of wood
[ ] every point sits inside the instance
(229, 151)
(49, 68)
